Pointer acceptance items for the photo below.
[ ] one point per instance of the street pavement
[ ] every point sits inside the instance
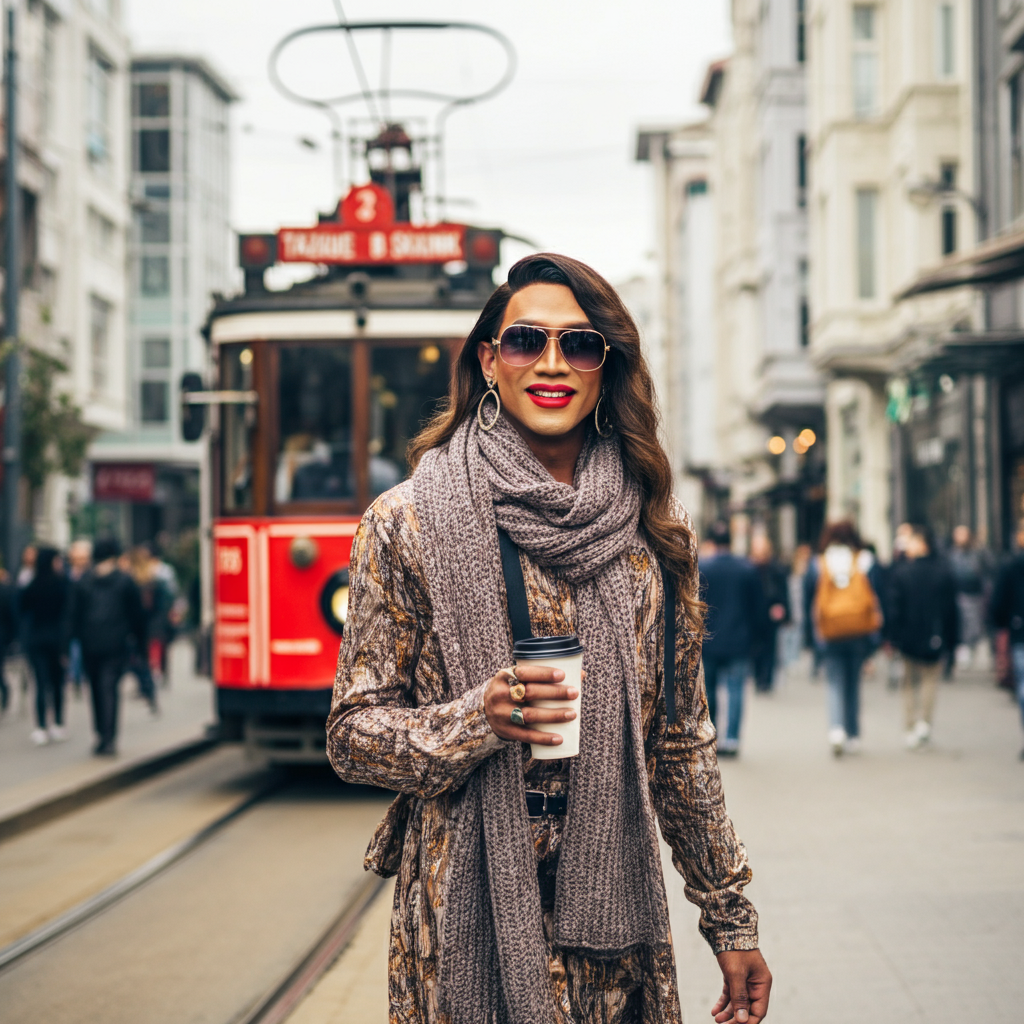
(889, 883)
(29, 773)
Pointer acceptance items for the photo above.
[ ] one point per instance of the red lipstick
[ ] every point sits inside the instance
(550, 396)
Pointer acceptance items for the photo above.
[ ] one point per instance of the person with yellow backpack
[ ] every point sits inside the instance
(847, 616)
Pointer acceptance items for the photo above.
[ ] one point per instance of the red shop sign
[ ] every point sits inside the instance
(366, 232)
(123, 481)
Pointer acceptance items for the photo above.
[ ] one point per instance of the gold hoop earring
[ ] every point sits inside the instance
(493, 391)
(597, 419)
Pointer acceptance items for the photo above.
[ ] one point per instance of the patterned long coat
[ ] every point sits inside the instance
(394, 724)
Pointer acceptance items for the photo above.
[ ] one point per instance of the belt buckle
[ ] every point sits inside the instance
(543, 803)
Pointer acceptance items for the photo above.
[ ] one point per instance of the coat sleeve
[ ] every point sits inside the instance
(376, 733)
(686, 789)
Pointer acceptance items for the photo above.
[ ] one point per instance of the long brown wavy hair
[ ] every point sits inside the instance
(629, 395)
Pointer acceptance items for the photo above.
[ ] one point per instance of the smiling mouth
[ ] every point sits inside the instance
(550, 397)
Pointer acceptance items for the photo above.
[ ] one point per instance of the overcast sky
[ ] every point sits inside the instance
(551, 158)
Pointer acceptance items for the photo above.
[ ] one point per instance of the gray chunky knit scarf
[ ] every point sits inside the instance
(610, 892)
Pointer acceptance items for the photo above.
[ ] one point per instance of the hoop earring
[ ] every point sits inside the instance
(491, 391)
(597, 420)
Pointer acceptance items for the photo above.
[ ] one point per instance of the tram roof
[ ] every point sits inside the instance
(354, 304)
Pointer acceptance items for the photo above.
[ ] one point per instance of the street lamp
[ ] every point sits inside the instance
(929, 190)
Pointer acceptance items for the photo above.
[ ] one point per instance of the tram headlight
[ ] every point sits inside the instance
(334, 601)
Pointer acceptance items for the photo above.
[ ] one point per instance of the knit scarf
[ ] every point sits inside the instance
(609, 894)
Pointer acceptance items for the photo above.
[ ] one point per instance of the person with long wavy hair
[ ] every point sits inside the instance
(530, 889)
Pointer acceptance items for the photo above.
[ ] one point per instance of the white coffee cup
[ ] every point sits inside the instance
(566, 653)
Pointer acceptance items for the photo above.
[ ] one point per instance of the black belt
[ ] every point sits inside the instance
(538, 803)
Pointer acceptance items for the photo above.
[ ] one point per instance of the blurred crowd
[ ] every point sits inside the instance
(87, 616)
(934, 608)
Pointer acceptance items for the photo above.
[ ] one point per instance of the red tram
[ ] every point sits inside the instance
(318, 390)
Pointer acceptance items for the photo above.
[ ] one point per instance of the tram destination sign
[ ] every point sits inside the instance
(334, 243)
(365, 232)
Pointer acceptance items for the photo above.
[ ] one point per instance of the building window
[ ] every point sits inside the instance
(805, 307)
(867, 204)
(947, 176)
(945, 49)
(156, 353)
(801, 171)
(801, 31)
(865, 60)
(948, 230)
(154, 150)
(154, 406)
(98, 89)
(102, 236)
(153, 99)
(154, 227)
(155, 279)
(99, 342)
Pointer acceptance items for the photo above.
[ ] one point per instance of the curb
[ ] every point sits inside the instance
(82, 794)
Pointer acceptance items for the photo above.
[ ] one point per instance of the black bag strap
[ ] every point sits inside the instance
(519, 614)
(668, 584)
(515, 587)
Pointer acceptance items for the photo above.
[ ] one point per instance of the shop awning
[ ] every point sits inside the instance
(994, 261)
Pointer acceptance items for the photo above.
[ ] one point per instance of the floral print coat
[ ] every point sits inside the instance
(394, 723)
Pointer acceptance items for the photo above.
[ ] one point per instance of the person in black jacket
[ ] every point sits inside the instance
(107, 614)
(774, 613)
(922, 626)
(1008, 613)
(732, 592)
(43, 606)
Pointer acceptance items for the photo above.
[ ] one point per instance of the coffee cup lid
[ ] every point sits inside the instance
(538, 647)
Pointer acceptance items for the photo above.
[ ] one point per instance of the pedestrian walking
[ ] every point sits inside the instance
(774, 614)
(79, 563)
(971, 568)
(43, 607)
(155, 602)
(1008, 614)
(732, 592)
(541, 501)
(922, 624)
(107, 615)
(847, 618)
(8, 635)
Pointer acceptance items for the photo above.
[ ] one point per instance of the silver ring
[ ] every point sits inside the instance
(517, 717)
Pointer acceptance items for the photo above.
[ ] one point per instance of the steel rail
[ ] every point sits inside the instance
(95, 905)
(277, 1005)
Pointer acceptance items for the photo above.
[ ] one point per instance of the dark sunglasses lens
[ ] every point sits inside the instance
(522, 344)
(583, 350)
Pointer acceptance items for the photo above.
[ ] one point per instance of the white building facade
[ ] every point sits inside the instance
(890, 124)
(180, 255)
(733, 255)
(73, 169)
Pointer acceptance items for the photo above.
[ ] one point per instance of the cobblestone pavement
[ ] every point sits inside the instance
(890, 884)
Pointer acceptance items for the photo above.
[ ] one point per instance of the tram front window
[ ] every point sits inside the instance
(406, 385)
(314, 461)
(238, 420)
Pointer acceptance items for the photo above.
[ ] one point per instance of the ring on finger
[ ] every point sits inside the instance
(517, 717)
(517, 691)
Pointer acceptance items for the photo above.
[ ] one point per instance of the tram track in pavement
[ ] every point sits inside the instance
(127, 884)
(210, 919)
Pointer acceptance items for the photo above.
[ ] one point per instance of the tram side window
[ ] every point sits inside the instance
(237, 420)
(406, 385)
(314, 461)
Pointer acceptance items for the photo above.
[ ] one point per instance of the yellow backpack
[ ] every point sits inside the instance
(843, 613)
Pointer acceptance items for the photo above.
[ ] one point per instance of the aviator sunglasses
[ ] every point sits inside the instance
(522, 344)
